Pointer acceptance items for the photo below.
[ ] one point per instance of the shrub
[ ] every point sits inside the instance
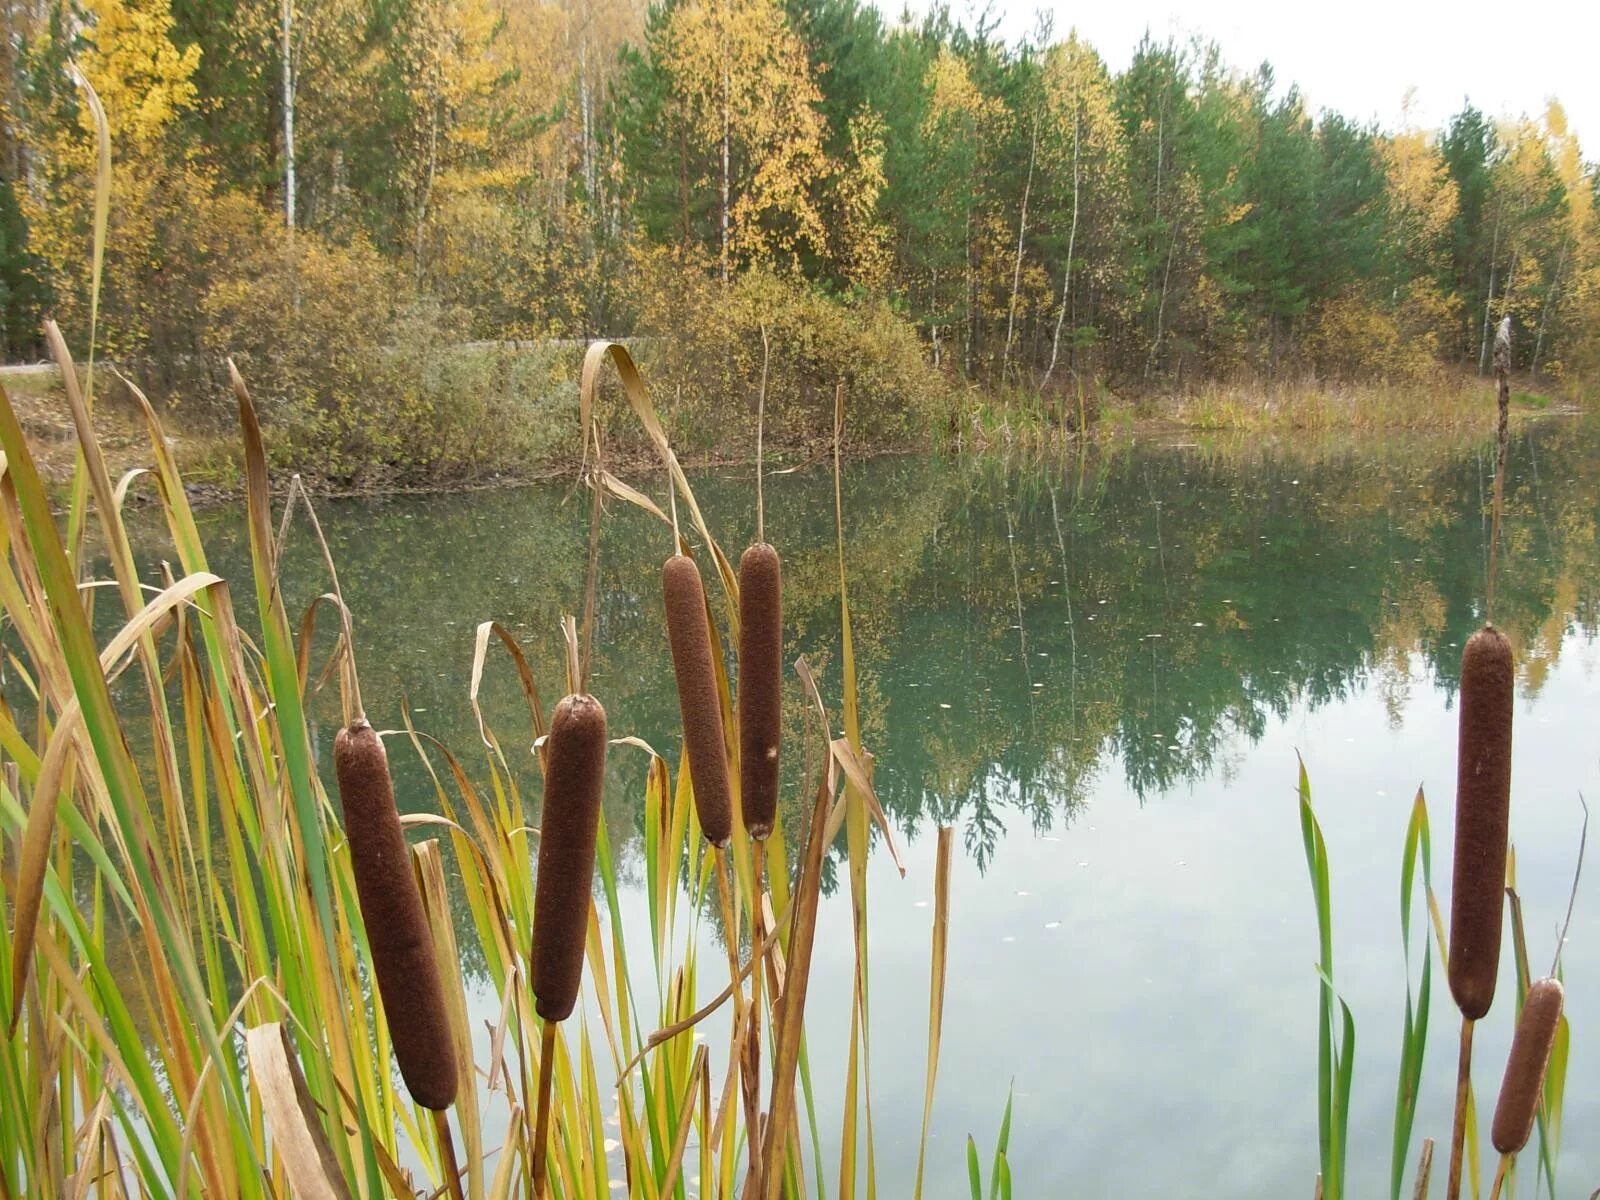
(704, 347)
(370, 385)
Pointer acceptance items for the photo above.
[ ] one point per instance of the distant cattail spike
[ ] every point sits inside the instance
(760, 686)
(1523, 1085)
(698, 704)
(397, 925)
(1483, 812)
(574, 774)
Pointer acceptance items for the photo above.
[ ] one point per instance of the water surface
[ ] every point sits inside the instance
(1100, 669)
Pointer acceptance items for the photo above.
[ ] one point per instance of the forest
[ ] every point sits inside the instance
(402, 215)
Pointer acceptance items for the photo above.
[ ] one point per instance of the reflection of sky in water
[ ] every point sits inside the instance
(1101, 677)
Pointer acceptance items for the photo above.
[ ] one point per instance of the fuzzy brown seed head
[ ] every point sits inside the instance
(1525, 1066)
(397, 925)
(760, 686)
(698, 704)
(1483, 813)
(574, 775)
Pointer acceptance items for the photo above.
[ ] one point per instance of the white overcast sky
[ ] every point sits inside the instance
(1361, 57)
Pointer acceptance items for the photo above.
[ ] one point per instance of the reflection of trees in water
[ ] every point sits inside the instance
(1019, 628)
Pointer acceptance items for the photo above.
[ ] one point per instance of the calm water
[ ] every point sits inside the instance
(1100, 671)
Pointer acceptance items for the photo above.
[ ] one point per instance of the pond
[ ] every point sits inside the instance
(1100, 668)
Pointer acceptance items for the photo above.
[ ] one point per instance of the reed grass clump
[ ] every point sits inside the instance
(1483, 813)
(698, 705)
(760, 686)
(1523, 1085)
(397, 925)
(575, 764)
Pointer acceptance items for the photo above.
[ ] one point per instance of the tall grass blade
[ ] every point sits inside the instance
(941, 938)
(1002, 1144)
(1335, 1044)
(297, 1134)
(1414, 1034)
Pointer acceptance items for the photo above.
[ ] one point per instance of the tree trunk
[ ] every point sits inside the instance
(1488, 301)
(727, 134)
(683, 176)
(1549, 306)
(1016, 272)
(1072, 238)
(426, 198)
(1161, 307)
(287, 21)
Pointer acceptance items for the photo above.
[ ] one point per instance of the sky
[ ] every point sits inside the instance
(1362, 57)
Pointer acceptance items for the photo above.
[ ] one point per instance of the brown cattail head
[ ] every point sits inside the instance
(697, 696)
(574, 772)
(396, 923)
(760, 686)
(1523, 1085)
(1483, 812)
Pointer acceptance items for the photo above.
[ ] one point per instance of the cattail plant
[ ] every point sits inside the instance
(760, 727)
(403, 960)
(574, 773)
(689, 635)
(698, 705)
(1483, 810)
(1523, 1087)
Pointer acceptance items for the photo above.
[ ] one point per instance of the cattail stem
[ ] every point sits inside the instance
(753, 1184)
(541, 1126)
(449, 1167)
(1500, 1176)
(730, 923)
(761, 424)
(1458, 1136)
(1502, 371)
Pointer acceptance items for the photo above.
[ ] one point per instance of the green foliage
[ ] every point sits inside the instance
(22, 296)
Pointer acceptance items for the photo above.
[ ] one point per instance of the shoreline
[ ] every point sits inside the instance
(209, 459)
